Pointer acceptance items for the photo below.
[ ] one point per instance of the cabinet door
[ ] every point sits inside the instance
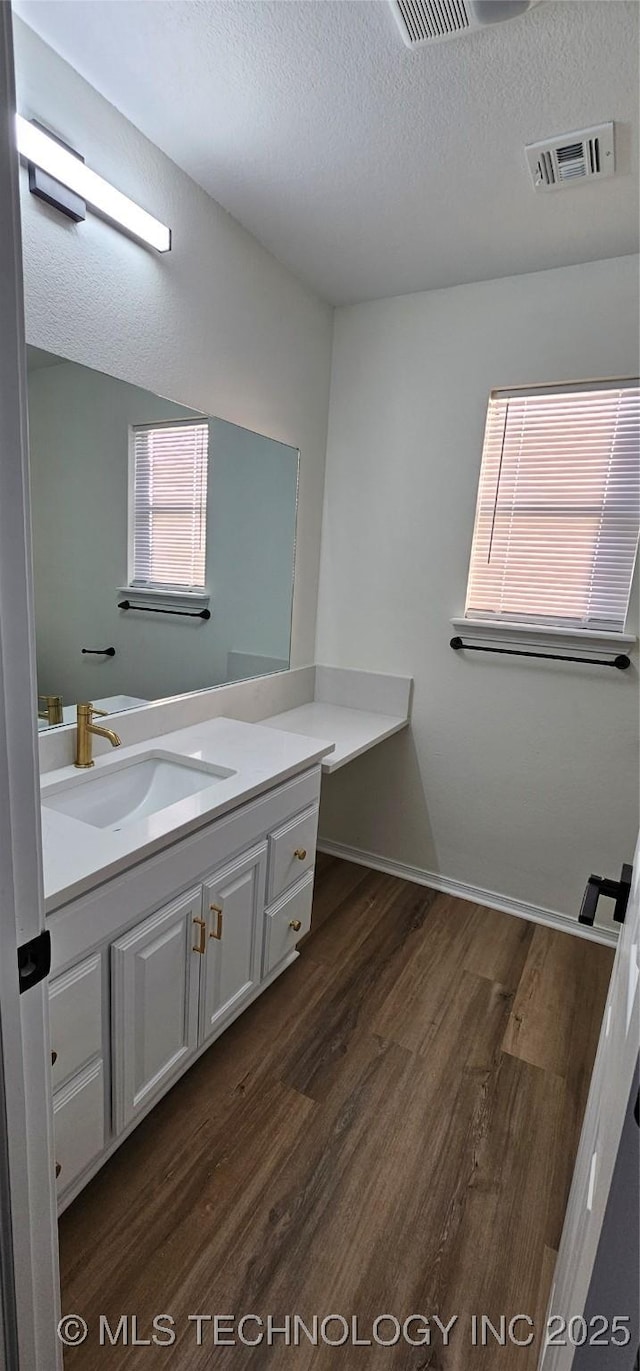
(155, 979)
(234, 907)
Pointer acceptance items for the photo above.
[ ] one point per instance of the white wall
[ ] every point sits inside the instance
(520, 778)
(79, 421)
(216, 324)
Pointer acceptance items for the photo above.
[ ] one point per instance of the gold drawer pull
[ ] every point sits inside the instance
(54, 1056)
(300, 853)
(58, 1169)
(295, 925)
(217, 932)
(200, 947)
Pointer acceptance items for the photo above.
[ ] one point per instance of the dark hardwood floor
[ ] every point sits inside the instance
(389, 1129)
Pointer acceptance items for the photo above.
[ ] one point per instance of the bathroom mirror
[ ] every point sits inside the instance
(164, 543)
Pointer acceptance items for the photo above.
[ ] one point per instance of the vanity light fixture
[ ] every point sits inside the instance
(42, 150)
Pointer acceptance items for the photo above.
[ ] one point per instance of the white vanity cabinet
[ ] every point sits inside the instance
(151, 966)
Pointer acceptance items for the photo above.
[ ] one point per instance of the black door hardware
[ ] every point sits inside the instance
(616, 890)
(34, 961)
(99, 651)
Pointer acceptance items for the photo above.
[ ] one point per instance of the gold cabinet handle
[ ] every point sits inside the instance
(300, 853)
(54, 1056)
(200, 947)
(295, 925)
(217, 932)
(58, 1169)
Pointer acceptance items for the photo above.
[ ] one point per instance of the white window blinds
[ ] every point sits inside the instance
(170, 504)
(558, 512)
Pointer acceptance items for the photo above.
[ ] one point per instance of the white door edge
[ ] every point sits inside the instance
(586, 1256)
(29, 1232)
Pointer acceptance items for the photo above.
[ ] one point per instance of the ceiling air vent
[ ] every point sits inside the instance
(429, 21)
(559, 163)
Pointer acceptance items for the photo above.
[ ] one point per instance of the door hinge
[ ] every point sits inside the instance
(34, 961)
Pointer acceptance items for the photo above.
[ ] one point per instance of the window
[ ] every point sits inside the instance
(169, 505)
(558, 512)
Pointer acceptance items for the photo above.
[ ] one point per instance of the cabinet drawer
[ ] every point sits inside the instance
(286, 848)
(75, 1014)
(280, 937)
(78, 1124)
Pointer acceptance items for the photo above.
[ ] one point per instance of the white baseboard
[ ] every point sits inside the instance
(522, 910)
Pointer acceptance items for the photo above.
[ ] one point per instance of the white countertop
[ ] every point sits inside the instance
(353, 731)
(78, 856)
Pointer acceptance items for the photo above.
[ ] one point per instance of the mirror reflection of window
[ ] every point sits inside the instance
(136, 497)
(169, 515)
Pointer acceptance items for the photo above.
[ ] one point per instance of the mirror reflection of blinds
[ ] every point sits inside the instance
(170, 505)
(558, 512)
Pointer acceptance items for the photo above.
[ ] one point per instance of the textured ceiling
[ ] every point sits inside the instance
(368, 168)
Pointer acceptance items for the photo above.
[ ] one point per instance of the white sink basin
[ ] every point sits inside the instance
(132, 790)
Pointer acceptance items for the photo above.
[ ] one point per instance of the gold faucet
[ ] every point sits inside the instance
(86, 726)
(52, 711)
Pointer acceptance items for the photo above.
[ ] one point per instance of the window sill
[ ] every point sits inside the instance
(592, 639)
(169, 599)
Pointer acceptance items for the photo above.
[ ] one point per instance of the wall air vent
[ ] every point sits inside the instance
(559, 163)
(429, 21)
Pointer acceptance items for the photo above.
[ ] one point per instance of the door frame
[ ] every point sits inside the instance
(28, 1229)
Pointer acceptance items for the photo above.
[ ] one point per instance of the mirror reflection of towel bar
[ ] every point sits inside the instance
(148, 609)
(99, 651)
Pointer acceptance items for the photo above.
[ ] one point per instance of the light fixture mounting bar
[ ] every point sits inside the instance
(53, 192)
(43, 150)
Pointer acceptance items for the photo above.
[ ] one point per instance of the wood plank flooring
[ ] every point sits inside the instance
(389, 1129)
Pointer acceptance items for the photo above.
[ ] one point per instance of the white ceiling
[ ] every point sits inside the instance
(368, 168)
